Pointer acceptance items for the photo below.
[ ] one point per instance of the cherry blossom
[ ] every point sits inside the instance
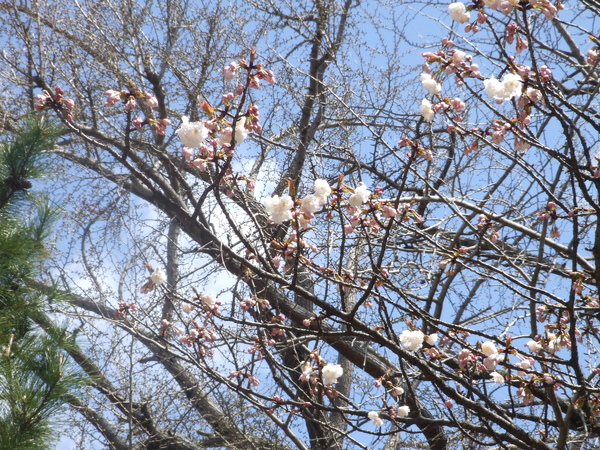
(112, 97)
(432, 339)
(397, 391)
(458, 12)
(430, 84)
(412, 340)
(426, 110)
(497, 378)
(191, 134)
(374, 417)
(311, 203)
(307, 370)
(279, 208)
(534, 346)
(322, 190)
(158, 277)
(403, 411)
(230, 71)
(150, 100)
(331, 373)
(361, 195)
(488, 348)
(509, 87)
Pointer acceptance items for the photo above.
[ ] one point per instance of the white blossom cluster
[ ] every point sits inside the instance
(458, 12)
(412, 340)
(191, 134)
(331, 373)
(509, 87)
(429, 83)
(361, 195)
(280, 208)
(427, 110)
(158, 276)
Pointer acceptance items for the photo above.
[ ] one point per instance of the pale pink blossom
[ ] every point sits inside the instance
(307, 370)
(311, 204)
(430, 84)
(458, 56)
(509, 87)
(490, 362)
(208, 300)
(458, 12)
(397, 391)
(131, 103)
(427, 110)
(112, 97)
(150, 100)
(388, 211)
(230, 71)
(412, 340)
(191, 134)
(432, 339)
(138, 122)
(331, 373)
(360, 196)
(374, 417)
(488, 348)
(403, 411)
(279, 208)
(322, 190)
(497, 378)
(158, 276)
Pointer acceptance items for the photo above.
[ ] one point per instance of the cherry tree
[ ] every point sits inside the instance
(270, 242)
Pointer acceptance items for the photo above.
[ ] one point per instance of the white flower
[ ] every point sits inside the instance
(158, 277)
(208, 300)
(432, 339)
(191, 134)
(533, 346)
(533, 94)
(458, 56)
(497, 378)
(458, 12)
(187, 308)
(403, 411)
(374, 416)
(512, 83)
(491, 361)
(509, 87)
(307, 370)
(430, 84)
(426, 110)
(360, 196)
(488, 348)
(230, 71)
(311, 203)
(493, 88)
(279, 208)
(397, 391)
(331, 373)
(322, 190)
(241, 132)
(412, 340)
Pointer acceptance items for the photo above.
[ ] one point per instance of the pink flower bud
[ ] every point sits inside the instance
(138, 122)
(150, 100)
(131, 104)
